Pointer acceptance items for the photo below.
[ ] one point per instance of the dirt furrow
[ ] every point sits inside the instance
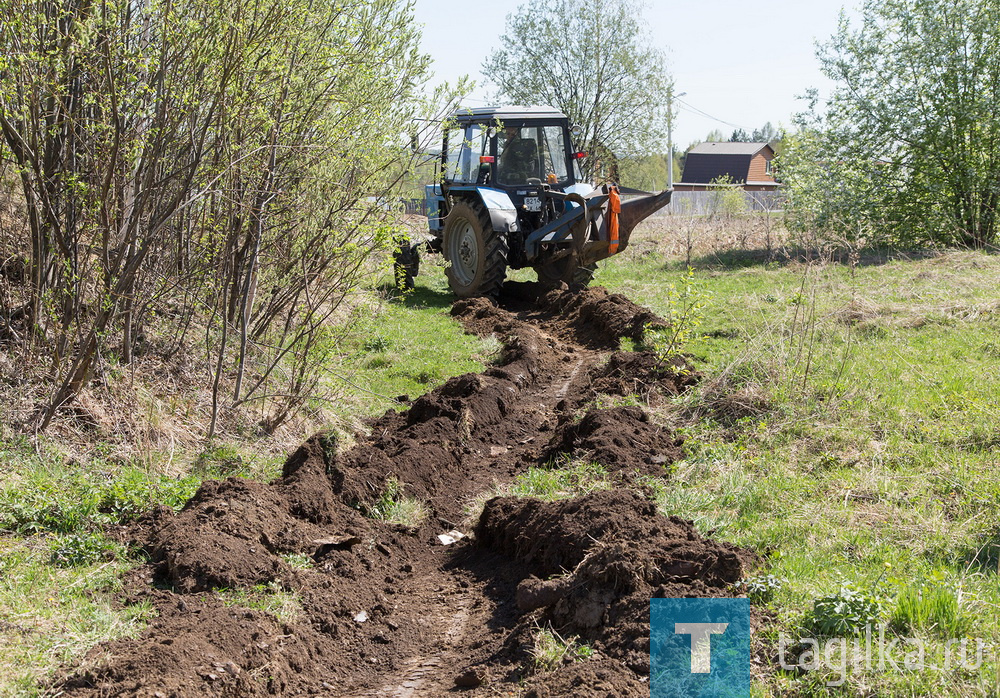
(385, 610)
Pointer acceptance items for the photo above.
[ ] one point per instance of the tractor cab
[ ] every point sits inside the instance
(519, 150)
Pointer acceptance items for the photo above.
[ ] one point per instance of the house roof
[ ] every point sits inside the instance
(709, 161)
(729, 148)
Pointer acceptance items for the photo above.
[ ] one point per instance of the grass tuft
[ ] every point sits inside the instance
(393, 507)
(550, 650)
(572, 479)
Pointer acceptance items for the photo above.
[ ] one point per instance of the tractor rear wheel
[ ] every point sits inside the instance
(478, 254)
(552, 274)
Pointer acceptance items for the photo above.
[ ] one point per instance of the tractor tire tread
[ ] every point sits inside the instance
(495, 254)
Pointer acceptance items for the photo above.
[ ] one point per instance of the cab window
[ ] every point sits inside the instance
(465, 145)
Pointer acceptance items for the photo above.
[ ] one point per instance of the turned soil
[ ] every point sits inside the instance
(386, 610)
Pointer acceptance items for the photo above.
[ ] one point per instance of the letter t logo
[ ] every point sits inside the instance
(701, 644)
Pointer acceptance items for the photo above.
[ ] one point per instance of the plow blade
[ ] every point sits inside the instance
(599, 226)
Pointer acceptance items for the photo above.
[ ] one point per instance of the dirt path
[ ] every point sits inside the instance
(390, 611)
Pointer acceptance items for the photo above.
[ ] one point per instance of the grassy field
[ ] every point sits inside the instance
(847, 429)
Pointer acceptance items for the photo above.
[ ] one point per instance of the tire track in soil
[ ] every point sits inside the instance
(388, 611)
(426, 674)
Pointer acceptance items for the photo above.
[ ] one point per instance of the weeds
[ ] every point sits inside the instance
(929, 607)
(550, 650)
(393, 507)
(78, 549)
(762, 589)
(844, 614)
(300, 560)
(269, 598)
(71, 501)
(570, 479)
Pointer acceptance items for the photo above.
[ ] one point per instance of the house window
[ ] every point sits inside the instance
(767, 166)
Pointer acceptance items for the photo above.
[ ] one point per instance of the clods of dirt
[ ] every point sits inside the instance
(602, 317)
(377, 609)
(619, 438)
(554, 537)
(604, 678)
(208, 649)
(609, 553)
(643, 373)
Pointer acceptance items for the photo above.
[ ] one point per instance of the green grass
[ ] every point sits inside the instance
(405, 345)
(59, 569)
(393, 507)
(51, 614)
(848, 430)
(550, 650)
(560, 480)
(269, 598)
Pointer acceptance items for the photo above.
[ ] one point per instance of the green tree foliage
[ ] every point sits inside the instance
(594, 62)
(648, 172)
(909, 145)
(765, 134)
(218, 159)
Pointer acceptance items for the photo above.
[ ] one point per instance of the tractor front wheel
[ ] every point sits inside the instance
(478, 254)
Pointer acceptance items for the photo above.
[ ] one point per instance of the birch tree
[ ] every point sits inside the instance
(912, 131)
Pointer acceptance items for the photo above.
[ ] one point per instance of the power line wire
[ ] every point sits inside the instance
(696, 110)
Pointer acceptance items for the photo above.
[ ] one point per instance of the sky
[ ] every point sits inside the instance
(740, 63)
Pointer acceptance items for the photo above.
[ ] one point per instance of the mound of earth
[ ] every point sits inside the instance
(208, 649)
(488, 423)
(601, 317)
(554, 537)
(602, 677)
(613, 552)
(619, 438)
(643, 373)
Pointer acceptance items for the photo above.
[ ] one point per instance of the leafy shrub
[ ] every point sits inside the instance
(685, 314)
(761, 590)
(845, 613)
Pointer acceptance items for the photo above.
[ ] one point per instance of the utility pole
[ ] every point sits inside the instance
(670, 136)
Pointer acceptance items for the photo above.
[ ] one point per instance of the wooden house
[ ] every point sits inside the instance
(747, 164)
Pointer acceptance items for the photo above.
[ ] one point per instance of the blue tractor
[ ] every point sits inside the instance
(511, 195)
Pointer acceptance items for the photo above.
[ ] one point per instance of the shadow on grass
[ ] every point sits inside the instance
(418, 297)
(743, 259)
(985, 557)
